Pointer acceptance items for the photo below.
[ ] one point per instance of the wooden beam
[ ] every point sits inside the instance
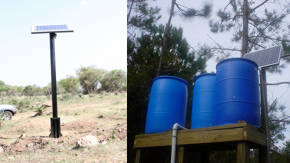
(180, 155)
(242, 152)
(254, 136)
(138, 156)
(227, 133)
(186, 137)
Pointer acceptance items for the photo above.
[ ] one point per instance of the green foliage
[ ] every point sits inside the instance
(286, 149)
(47, 90)
(70, 85)
(115, 80)
(39, 109)
(191, 12)
(266, 25)
(21, 104)
(143, 18)
(65, 97)
(89, 78)
(32, 90)
(276, 126)
(3, 86)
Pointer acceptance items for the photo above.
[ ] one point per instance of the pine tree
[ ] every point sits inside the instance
(254, 25)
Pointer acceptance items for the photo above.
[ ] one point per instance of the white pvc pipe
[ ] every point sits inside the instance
(175, 127)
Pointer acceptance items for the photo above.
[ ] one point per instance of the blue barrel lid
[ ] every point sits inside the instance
(244, 59)
(171, 77)
(205, 74)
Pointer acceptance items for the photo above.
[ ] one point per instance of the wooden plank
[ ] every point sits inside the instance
(242, 152)
(237, 125)
(229, 126)
(180, 155)
(214, 136)
(138, 156)
(255, 136)
(186, 137)
(152, 140)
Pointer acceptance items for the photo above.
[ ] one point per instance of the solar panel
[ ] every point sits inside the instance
(50, 29)
(267, 57)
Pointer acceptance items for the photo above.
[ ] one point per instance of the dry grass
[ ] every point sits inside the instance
(103, 116)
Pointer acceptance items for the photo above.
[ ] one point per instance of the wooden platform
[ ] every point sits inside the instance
(241, 136)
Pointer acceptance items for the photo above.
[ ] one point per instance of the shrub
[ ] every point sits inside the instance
(115, 80)
(20, 104)
(89, 78)
(70, 85)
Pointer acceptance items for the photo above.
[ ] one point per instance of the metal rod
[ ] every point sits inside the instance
(264, 104)
(53, 76)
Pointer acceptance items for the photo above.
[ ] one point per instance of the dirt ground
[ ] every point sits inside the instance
(25, 138)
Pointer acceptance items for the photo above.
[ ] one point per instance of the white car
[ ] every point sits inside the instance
(8, 111)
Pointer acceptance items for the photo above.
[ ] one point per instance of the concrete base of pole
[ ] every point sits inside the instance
(55, 128)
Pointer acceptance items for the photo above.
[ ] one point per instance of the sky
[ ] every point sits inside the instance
(99, 38)
(197, 32)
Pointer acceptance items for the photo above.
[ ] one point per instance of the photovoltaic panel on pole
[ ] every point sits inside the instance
(36, 29)
(267, 57)
(55, 129)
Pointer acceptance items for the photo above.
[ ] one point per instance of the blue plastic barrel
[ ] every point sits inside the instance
(237, 92)
(167, 104)
(203, 102)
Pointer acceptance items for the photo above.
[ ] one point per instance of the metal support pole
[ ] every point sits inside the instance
(55, 120)
(264, 104)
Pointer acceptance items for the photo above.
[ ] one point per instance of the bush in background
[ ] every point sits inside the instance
(115, 80)
(69, 85)
(32, 90)
(89, 78)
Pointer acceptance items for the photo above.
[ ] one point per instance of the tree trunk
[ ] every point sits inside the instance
(164, 40)
(245, 45)
(130, 9)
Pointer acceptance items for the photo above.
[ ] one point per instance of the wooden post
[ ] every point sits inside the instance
(262, 155)
(242, 152)
(138, 155)
(180, 154)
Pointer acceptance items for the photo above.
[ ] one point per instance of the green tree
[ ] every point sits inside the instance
(28, 91)
(253, 24)
(277, 124)
(185, 11)
(19, 90)
(115, 80)
(32, 90)
(89, 78)
(144, 17)
(286, 149)
(47, 90)
(70, 85)
(3, 87)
